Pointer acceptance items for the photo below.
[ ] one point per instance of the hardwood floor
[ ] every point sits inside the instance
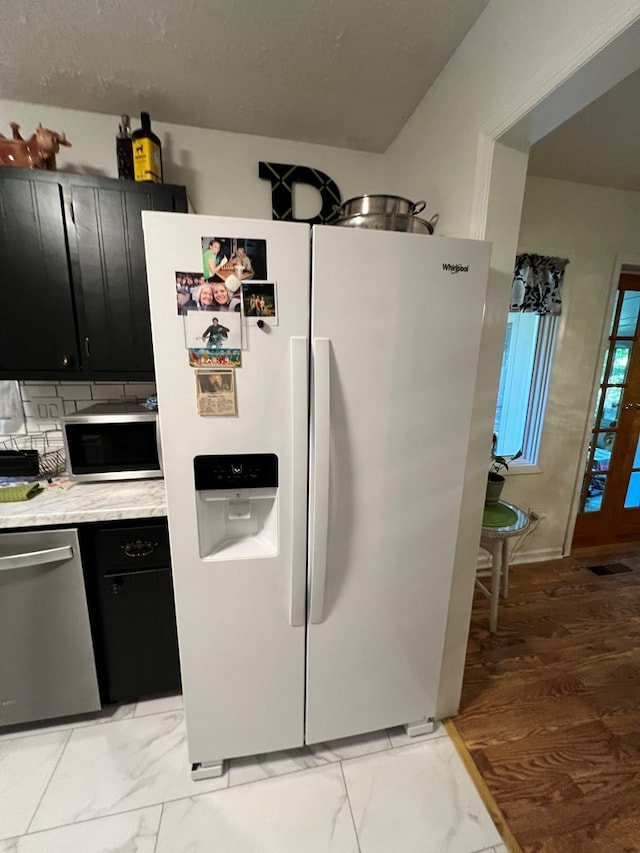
(550, 707)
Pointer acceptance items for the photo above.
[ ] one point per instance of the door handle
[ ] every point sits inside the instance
(36, 558)
(320, 497)
(299, 385)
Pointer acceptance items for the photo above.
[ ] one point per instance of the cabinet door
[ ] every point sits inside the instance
(138, 634)
(128, 578)
(38, 332)
(110, 274)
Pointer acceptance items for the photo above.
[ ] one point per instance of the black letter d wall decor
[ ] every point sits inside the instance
(283, 176)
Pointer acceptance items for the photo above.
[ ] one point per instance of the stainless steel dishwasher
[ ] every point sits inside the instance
(47, 666)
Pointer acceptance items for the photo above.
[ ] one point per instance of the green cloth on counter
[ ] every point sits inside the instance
(498, 515)
(19, 492)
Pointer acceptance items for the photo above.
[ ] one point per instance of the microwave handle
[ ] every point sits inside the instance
(159, 443)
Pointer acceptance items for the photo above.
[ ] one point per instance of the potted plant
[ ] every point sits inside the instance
(495, 481)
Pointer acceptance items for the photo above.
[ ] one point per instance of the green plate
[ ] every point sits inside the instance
(498, 515)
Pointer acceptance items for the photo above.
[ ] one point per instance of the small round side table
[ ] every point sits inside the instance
(495, 540)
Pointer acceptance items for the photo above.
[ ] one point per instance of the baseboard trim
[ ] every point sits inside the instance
(485, 794)
(535, 555)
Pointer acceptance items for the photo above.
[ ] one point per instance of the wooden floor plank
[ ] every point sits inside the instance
(550, 711)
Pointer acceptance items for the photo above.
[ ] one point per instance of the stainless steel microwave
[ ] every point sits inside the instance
(112, 441)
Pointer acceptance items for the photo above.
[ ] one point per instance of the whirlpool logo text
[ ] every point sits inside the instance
(455, 268)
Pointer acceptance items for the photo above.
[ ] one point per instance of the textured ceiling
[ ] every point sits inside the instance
(336, 72)
(599, 145)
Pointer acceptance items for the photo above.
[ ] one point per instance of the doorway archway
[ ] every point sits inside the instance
(500, 175)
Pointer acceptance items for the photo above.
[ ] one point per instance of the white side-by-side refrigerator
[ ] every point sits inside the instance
(313, 532)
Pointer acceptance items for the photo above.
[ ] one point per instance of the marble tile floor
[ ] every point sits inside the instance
(119, 782)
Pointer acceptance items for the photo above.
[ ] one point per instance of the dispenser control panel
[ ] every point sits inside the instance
(236, 471)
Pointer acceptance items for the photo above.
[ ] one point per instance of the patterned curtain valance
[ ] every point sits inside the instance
(537, 284)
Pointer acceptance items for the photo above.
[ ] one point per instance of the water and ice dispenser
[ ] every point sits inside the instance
(236, 496)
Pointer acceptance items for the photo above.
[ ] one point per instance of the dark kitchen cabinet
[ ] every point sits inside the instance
(128, 580)
(109, 265)
(73, 291)
(37, 320)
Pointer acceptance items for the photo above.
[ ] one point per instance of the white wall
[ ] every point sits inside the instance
(219, 169)
(517, 55)
(591, 226)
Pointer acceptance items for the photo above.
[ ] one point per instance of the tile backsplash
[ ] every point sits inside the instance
(45, 402)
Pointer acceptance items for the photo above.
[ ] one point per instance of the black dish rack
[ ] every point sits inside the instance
(34, 455)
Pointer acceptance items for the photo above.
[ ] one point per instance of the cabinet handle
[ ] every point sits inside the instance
(66, 361)
(139, 548)
(87, 347)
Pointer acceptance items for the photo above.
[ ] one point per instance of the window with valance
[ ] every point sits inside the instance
(537, 284)
(535, 305)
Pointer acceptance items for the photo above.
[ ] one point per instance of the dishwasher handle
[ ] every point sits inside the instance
(35, 558)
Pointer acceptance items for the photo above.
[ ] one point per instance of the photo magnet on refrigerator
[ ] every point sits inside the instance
(213, 330)
(233, 259)
(215, 358)
(259, 302)
(188, 289)
(216, 392)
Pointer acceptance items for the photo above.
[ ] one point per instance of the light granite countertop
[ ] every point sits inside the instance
(85, 502)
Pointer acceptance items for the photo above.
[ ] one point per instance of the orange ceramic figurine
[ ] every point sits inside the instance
(37, 152)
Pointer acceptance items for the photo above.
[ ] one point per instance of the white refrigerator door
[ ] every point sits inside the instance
(240, 615)
(395, 341)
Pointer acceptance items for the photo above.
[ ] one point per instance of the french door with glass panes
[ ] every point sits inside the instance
(609, 510)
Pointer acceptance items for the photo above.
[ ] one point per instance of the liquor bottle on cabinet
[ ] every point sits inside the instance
(124, 149)
(147, 152)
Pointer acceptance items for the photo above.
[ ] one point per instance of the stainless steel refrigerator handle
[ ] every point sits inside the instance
(299, 379)
(35, 558)
(320, 497)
